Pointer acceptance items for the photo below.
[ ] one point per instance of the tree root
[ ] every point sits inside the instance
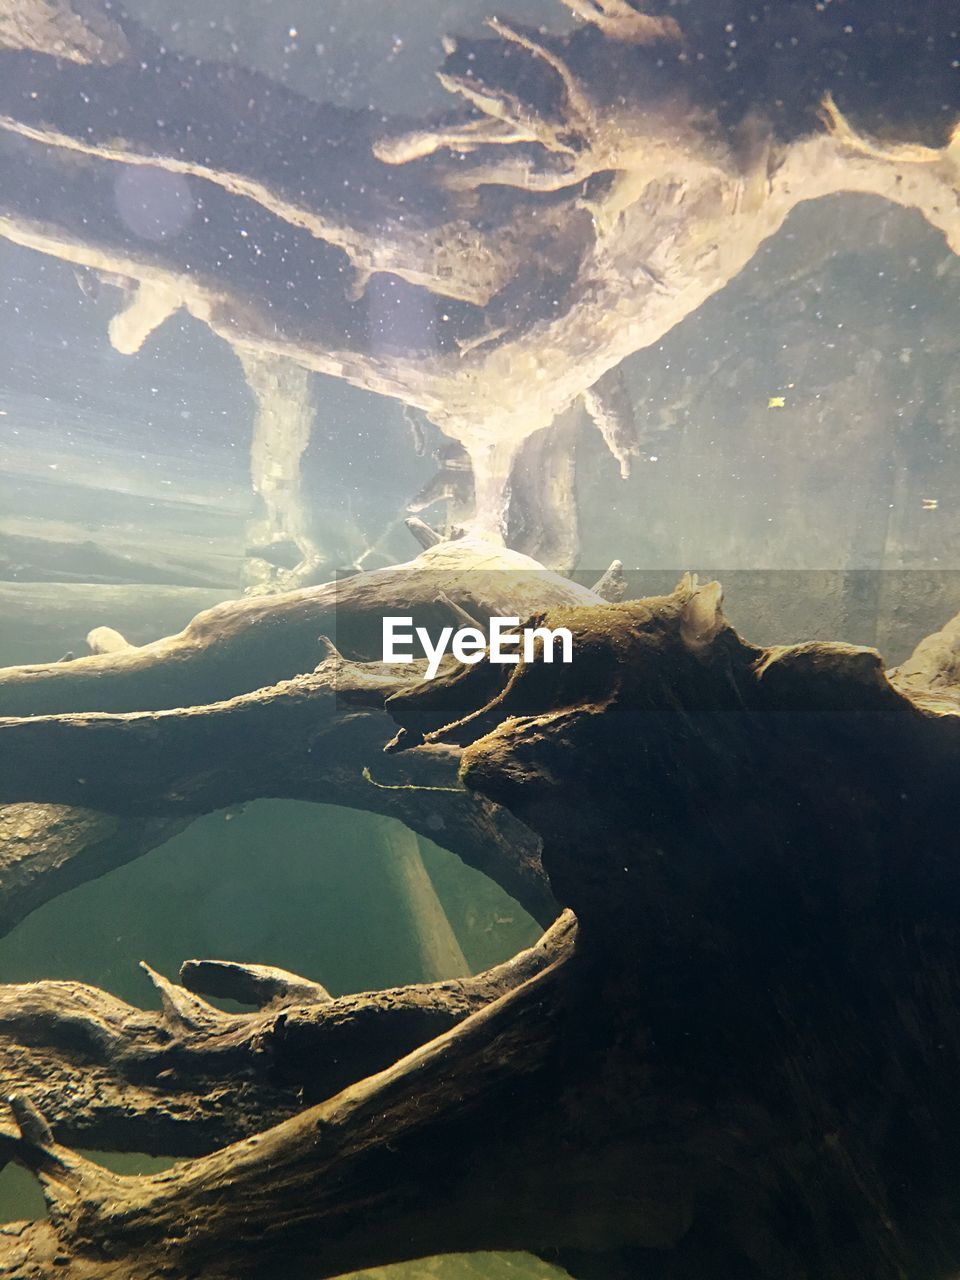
(250, 644)
(110, 1077)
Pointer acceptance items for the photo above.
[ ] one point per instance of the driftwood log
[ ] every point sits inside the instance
(137, 740)
(741, 1063)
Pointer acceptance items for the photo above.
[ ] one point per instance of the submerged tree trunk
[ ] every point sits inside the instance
(184, 709)
(745, 1064)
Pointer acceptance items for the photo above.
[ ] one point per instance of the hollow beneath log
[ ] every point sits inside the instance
(47, 849)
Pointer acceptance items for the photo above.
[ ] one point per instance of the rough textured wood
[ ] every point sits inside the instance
(314, 737)
(66, 30)
(244, 645)
(184, 1082)
(746, 1065)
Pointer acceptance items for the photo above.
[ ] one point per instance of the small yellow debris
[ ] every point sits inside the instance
(777, 402)
(929, 504)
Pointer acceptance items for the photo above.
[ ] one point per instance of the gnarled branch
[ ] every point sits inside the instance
(189, 1080)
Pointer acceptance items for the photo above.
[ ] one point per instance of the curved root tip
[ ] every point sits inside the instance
(402, 740)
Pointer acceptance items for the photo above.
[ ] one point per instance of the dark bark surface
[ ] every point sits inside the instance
(193, 1078)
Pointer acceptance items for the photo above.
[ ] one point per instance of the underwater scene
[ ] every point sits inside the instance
(479, 639)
